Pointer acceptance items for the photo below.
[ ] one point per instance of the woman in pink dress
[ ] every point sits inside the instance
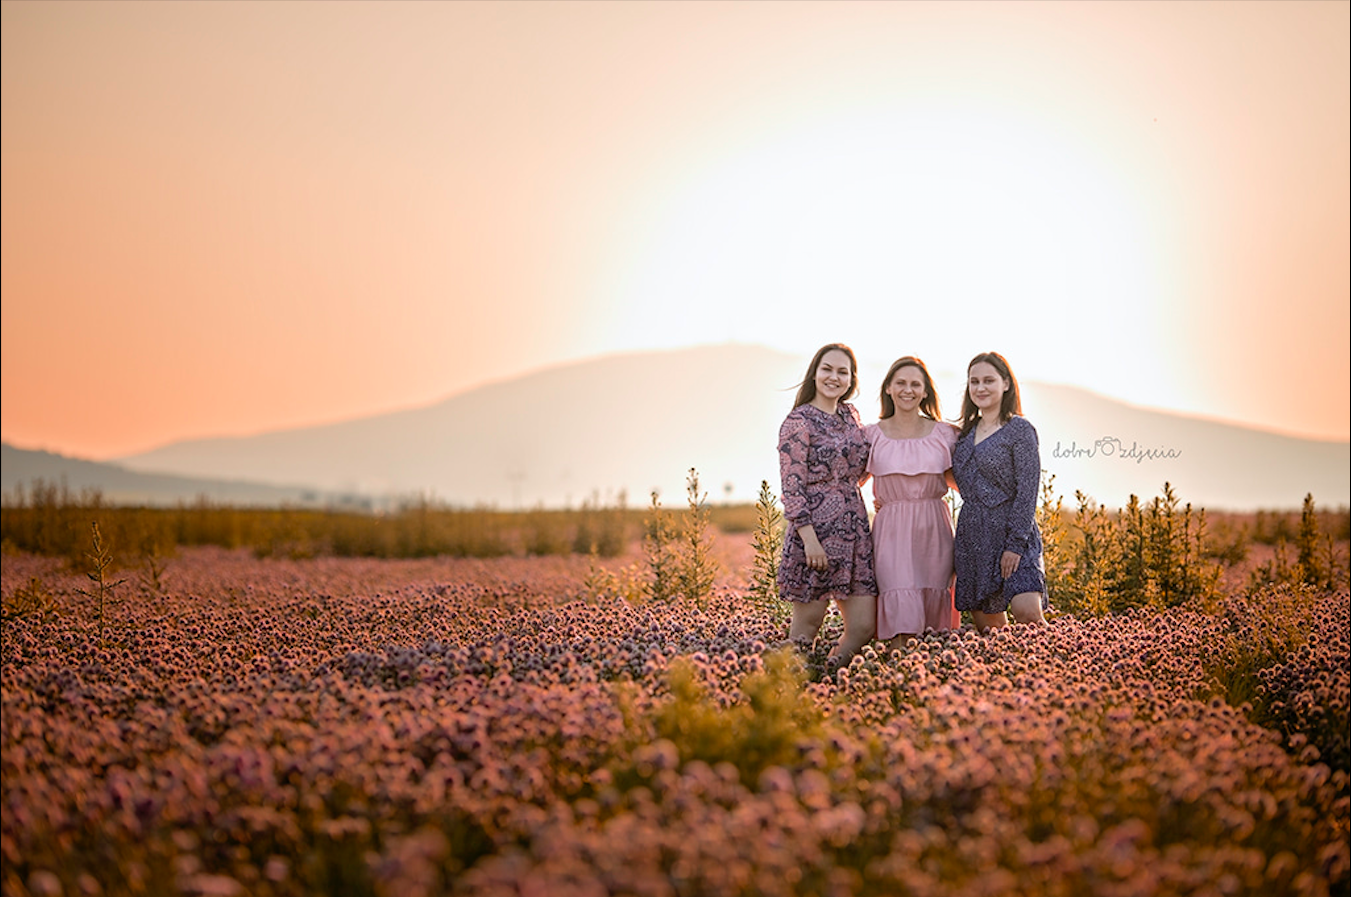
(911, 466)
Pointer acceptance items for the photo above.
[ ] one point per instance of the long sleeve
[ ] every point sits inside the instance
(1027, 484)
(794, 444)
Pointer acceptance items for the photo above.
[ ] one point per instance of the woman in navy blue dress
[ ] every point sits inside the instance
(997, 548)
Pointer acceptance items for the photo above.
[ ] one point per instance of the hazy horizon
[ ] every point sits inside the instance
(719, 410)
(224, 219)
(869, 369)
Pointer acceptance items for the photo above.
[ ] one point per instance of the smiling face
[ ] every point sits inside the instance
(986, 388)
(834, 376)
(907, 389)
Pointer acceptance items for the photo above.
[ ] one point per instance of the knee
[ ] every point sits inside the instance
(1026, 608)
(865, 630)
(864, 615)
(986, 621)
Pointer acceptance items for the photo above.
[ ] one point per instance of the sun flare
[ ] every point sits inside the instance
(939, 228)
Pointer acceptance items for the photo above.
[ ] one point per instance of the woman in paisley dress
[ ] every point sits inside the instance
(911, 466)
(998, 469)
(828, 548)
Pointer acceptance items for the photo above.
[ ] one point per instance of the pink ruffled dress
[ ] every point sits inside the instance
(912, 531)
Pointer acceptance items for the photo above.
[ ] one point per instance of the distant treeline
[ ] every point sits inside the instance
(1093, 555)
(52, 520)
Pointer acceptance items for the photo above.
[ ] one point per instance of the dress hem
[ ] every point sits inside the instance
(826, 596)
(911, 605)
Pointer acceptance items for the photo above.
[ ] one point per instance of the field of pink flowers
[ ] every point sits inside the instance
(443, 726)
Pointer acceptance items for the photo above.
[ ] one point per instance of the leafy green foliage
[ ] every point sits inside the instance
(33, 599)
(658, 547)
(763, 729)
(100, 559)
(697, 569)
(768, 544)
(1150, 555)
(1317, 563)
(679, 561)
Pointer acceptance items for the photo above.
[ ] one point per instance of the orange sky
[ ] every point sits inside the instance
(229, 218)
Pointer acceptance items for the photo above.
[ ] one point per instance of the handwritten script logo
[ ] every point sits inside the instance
(1112, 447)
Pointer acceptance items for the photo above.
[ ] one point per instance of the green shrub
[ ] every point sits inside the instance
(763, 729)
(1317, 563)
(697, 569)
(768, 545)
(658, 547)
(1149, 555)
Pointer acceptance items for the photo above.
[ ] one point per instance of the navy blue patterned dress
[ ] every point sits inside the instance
(822, 459)
(999, 480)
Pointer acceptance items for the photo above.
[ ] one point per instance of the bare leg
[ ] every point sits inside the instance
(897, 642)
(986, 621)
(1026, 608)
(860, 625)
(807, 619)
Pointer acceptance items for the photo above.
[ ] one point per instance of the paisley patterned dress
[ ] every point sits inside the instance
(822, 459)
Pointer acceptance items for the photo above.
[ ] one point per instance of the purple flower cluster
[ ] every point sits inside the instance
(1308, 692)
(277, 727)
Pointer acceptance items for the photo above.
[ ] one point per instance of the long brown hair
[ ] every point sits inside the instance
(928, 406)
(1012, 404)
(806, 390)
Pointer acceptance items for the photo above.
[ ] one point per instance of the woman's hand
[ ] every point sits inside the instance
(816, 555)
(1008, 562)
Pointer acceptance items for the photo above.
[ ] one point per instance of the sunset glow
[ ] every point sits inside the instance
(231, 218)
(924, 219)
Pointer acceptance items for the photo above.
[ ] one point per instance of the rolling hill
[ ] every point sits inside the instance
(23, 469)
(637, 422)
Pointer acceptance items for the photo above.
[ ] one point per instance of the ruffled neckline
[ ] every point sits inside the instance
(933, 431)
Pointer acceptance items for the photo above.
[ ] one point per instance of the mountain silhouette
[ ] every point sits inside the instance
(631, 423)
(22, 470)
